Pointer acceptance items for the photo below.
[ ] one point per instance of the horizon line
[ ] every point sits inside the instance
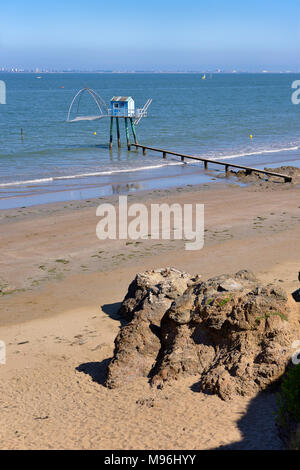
(233, 72)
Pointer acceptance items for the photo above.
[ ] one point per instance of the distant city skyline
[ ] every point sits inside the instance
(36, 70)
(165, 36)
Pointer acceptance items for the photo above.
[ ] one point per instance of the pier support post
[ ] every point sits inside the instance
(133, 131)
(118, 133)
(127, 133)
(205, 165)
(226, 169)
(111, 133)
(164, 155)
(144, 151)
(182, 159)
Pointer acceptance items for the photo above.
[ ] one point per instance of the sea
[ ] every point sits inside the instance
(212, 116)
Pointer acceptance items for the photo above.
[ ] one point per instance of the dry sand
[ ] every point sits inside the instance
(61, 288)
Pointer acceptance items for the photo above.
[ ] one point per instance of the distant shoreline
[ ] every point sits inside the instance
(145, 72)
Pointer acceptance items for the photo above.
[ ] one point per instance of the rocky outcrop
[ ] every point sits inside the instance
(259, 180)
(292, 171)
(232, 332)
(138, 343)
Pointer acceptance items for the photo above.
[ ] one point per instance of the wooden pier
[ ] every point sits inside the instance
(249, 170)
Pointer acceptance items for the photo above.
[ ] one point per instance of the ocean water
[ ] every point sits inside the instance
(57, 160)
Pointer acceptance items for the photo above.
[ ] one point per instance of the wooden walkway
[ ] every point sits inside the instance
(249, 170)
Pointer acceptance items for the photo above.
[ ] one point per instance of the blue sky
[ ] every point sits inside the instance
(151, 35)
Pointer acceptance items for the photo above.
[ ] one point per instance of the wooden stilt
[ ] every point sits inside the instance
(118, 133)
(127, 133)
(144, 151)
(205, 165)
(164, 155)
(133, 130)
(111, 133)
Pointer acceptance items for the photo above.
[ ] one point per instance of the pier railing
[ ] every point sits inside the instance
(249, 170)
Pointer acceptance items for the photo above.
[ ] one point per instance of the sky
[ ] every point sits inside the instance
(160, 35)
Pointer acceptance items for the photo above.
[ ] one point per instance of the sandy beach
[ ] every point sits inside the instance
(60, 290)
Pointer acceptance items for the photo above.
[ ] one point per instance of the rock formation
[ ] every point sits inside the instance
(138, 343)
(232, 332)
(270, 182)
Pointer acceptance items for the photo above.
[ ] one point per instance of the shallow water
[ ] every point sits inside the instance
(213, 118)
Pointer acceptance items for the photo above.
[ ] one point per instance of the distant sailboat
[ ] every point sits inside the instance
(204, 77)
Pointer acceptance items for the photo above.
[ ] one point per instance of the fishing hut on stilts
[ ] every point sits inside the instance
(121, 107)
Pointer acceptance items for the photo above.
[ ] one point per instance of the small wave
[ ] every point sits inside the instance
(16, 183)
(86, 175)
(259, 152)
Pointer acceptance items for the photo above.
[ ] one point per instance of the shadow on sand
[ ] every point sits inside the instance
(296, 295)
(258, 426)
(112, 311)
(96, 370)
